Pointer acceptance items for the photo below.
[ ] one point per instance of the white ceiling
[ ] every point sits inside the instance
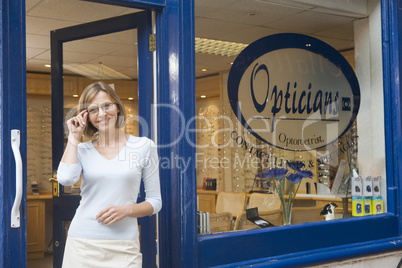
(242, 21)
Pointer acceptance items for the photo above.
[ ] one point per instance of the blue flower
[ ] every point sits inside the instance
(306, 173)
(278, 173)
(294, 177)
(296, 165)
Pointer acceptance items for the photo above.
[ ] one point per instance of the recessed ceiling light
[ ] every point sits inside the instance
(130, 98)
(204, 70)
(203, 96)
(218, 47)
(75, 96)
(48, 65)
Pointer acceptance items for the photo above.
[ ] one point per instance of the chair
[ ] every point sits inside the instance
(274, 216)
(230, 202)
(220, 222)
(306, 214)
(264, 202)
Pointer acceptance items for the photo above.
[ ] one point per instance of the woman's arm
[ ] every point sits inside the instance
(76, 126)
(113, 214)
(69, 170)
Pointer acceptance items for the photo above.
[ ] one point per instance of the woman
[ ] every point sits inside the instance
(104, 230)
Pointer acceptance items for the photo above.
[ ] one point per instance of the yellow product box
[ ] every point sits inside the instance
(367, 204)
(357, 206)
(377, 204)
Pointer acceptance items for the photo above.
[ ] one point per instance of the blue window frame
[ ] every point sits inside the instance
(179, 244)
(145, 4)
(324, 241)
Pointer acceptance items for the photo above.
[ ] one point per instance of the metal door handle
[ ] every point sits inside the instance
(15, 211)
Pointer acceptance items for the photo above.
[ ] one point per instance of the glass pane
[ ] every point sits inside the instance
(39, 145)
(238, 170)
(111, 58)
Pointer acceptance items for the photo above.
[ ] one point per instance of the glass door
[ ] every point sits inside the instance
(137, 96)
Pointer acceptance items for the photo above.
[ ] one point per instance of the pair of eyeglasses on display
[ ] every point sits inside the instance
(105, 107)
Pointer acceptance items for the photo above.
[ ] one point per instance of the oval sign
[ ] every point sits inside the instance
(293, 92)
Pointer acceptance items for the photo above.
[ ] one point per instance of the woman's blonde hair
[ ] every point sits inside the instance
(89, 93)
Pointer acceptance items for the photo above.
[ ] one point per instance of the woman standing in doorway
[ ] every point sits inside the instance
(104, 231)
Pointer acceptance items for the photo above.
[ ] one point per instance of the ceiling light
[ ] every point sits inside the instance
(75, 96)
(95, 71)
(204, 70)
(130, 98)
(48, 65)
(218, 47)
(203, 96)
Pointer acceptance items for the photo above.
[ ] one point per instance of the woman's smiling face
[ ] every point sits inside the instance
(103, 113)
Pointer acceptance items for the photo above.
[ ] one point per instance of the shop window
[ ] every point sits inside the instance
(345, 178)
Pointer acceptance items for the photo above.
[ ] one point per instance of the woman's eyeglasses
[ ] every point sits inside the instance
(107, 107)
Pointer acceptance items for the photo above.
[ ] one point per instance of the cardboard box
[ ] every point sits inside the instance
(377, 186)
(377, 204)
(357, 206)
(357, 186)
(367, 204)
(367, 186)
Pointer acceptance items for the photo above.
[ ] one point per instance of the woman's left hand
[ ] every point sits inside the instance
(112, 214)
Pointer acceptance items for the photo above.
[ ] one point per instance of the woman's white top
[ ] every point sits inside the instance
(112, 182)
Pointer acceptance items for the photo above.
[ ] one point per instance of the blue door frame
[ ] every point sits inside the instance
(12, 116)
(64, 205)
(179, 245)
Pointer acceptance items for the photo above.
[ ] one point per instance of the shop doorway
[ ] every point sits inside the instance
(65, 201)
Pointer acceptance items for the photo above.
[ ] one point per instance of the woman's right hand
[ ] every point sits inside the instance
(76, 126)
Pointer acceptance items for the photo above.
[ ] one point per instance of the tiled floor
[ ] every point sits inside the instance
(46, 262)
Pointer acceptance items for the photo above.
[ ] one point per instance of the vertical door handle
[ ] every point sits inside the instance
(15, 211)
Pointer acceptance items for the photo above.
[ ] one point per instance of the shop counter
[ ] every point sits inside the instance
(207, 200)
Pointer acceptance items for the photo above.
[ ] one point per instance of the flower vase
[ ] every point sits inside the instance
(287, 184)
(287, 212)
(287, 192)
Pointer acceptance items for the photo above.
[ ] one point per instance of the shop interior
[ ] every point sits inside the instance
(226, 174)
